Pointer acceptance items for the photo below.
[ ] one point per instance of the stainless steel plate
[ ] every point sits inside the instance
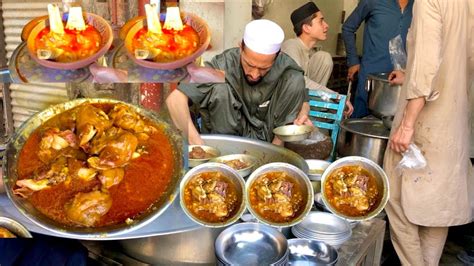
(324, 223)
(250, 244)
(311, 252)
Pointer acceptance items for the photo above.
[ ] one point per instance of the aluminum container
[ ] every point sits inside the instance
(208, 149)
(10, 161)
(291, 133)
(383, 97)
(233, 177)
(14, 227)
(249, 159)
(380, 177)
(299, 176)
(363, 137)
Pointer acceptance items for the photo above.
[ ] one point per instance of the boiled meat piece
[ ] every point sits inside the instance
(87, 208)
(89, 122)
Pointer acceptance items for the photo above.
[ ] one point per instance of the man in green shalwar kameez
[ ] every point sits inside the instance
(263, 89)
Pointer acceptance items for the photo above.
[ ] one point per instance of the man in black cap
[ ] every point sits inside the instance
(310, 28)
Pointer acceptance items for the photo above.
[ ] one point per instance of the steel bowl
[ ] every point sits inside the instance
(249, 159)
(298, 175)
(10, 176)
(316, 169)
(130, 29)
(14, 227)
(34, 27)
(208, 149)
(251, 244)
(233, 177)
(311, 252)
(380, 177)
(290, 133)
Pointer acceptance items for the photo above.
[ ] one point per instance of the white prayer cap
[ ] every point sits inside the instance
(263, 36)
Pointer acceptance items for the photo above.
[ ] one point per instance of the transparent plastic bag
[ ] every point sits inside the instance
(397, 53)
(412, 159)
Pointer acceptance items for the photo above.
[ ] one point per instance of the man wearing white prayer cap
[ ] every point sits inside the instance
(263, 89)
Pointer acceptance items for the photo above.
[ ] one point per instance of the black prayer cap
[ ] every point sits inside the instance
(303, 12)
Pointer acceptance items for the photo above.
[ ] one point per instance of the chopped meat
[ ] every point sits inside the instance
(237, 164)
(221, 188)
(286, 188)
(362, 182)
(199, 153)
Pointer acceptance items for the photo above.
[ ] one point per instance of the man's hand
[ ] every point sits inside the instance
(349, 109)
(303, 116)
(397, 77)
(102, 74)
(352, 71)
(402, 137)
(204, 74)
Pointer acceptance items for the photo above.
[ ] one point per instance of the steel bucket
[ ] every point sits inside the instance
(383, 97)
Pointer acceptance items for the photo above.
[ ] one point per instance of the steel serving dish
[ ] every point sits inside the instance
(373, 168)
(291, 133)
(383, 97)
(298, 175)
(130, 29)
(363, 137)
(208, 149)
(27, 209)
(228, 172)
(34, 27)
(251, 244)
(311, 252)
(14, 227)
(246, 158)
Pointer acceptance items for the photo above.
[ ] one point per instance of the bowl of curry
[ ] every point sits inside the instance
(355, 188)
(199, 154)
(212, 194)
(169, 50)
(72, 50)
(279, 194)
(93, 168)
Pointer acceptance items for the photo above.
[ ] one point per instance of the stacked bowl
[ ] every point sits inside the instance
(251, 244)
(325, 227)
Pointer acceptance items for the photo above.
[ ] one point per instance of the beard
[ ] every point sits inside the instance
(252, 82)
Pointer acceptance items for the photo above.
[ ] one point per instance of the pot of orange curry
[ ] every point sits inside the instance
(93, 168)
(355, 188)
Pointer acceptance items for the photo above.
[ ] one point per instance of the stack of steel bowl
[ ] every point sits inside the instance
(325, 227)
(251, 244)
(311, 252)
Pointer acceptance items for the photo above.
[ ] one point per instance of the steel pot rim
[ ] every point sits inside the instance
(343, 126)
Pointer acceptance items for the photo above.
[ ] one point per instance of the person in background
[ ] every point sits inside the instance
(263, 89)
(425, 202)
(310, 28)
(384, 20)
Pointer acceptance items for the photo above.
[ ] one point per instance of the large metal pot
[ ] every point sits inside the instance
(27, 209)
(363, 137)
(383, 97)
(195, 247)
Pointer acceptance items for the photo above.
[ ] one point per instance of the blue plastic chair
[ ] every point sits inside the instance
(321, 104)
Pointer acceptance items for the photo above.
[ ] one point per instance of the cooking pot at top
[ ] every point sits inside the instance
(383, 97)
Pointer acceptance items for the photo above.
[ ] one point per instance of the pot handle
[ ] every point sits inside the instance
(368, 84)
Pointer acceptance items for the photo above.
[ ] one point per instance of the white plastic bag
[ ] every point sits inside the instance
(397, 53)
(412, 159)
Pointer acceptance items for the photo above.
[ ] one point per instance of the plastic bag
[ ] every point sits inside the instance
(412, 159)
(397, 53)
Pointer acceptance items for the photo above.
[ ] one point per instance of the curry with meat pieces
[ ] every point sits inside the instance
(95, 165)
(71, 46)
(5, 233)
(237, 164)
(277, 197)
(168, 46)
(199, 153)
(352, 191)
(211, 197)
